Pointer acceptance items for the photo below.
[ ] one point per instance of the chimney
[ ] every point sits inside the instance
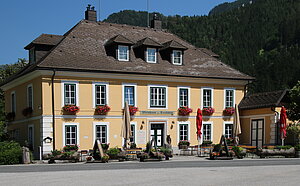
(90, 13)
(156, 23)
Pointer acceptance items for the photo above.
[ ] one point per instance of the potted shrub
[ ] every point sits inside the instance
(184, 111)
(133, 110)
(27, 111)
(229, 111)
(71, 109)
(183, 144)
(208, 111)
(113, 153)
(69, 148)
(102, 110)
(239, 152)
(10, 116)
(105, 159)
(132, 146)
(167, 152)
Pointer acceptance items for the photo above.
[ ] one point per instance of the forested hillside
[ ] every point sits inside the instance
(225, 7)
(260, 39)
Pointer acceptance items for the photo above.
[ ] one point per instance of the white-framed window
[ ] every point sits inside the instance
(100, 94)
(229, 97)
(183, 96)
(207, 97)
(207, 129)
(151, 55)
(31, 136)
(70, 93)
(71, 133)
(30, 96)
(228, 129)
(123, 53)
(157, 96)
(133, 132)
(177, 57)
(13, 102)
(129, 94)
(183, 131)
(101, 132)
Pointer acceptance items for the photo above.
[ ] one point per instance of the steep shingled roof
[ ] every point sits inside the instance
(45, 39)
(83, 48)
(263, 100)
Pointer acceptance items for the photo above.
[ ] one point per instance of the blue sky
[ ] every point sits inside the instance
(24, 20)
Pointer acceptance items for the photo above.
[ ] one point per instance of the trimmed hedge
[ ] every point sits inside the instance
(10, 153)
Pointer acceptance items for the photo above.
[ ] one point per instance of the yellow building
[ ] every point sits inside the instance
(96, 64)
(260, 114)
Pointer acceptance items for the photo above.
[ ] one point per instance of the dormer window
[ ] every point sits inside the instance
(151, 55)
(123, 53)
(173, 52)
(177, 57)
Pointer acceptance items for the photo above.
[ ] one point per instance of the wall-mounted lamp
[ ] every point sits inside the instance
(47, 140)
(143, 123)
(172, 125)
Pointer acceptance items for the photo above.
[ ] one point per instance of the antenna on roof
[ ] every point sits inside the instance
(148, 25)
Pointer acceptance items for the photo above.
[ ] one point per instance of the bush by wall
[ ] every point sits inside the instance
(10, 153)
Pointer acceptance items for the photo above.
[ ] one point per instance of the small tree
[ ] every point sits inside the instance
(294, 108)
(294, 113)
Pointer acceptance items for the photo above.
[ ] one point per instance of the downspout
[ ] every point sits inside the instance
(53, 110)
(277, 117)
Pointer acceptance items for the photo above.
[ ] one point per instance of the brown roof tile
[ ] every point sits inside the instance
(45, 39)
(147, 42)
(173, 44)
(83, 48)
(119, 39)
(262, 100)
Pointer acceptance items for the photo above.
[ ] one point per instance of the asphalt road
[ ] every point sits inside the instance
(148, 165)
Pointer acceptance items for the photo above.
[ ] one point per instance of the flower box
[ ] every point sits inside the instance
(183, 144)
(133, 110)
(27, 111)
(10, 116)
(71, 109)
(208, 110)
(229, 111)
(184, 111)
(102, 110)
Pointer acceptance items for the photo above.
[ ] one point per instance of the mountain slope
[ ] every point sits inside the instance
(225, 7)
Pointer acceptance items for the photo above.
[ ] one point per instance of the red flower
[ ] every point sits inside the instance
(133, 110)
(184, 111)
(71, 108)
(102, 110)
(229, 110)
(208, 110)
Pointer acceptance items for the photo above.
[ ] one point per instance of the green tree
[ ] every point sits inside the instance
(7, 71)
(294, 110)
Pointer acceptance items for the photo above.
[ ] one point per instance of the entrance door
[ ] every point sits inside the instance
(157, 133)
(257, 132)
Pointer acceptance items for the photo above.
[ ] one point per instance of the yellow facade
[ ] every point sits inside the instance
(85, 119)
